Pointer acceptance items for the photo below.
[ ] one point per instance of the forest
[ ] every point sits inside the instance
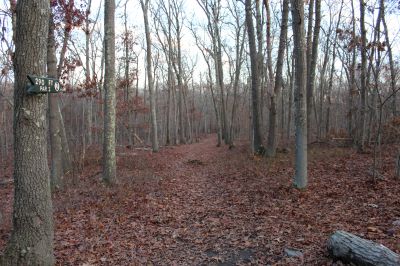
(200, 132)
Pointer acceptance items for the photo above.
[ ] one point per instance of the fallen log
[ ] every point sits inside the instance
(350, 248)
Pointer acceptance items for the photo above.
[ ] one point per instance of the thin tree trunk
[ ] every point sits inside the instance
(87, 75)
(109, 164)
(54, 122)
(309, 40)
(391, 62)
(312, 65)
(239, 59)
(153, 115)
(330, 84)
(66, 155)
(272, 135)
(363, 89)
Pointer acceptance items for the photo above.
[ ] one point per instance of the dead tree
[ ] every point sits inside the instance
(350, 248)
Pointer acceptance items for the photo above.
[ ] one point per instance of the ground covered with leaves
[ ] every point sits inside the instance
(203, 205)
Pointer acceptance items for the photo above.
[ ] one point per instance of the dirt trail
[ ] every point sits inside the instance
(199, 204)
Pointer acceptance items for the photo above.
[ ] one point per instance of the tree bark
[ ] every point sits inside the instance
(257, 144)
(31, 241)
(332, 70)
(109, 164)
(87, 75)
(350, 248)
(300, 179)
(391, 62)
(272, 135)
(309, 41)
(153, 115)
(363, 89)
(312, 65)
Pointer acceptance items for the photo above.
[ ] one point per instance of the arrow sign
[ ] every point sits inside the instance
(43, 85)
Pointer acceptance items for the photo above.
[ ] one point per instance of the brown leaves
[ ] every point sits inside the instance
(198, 204)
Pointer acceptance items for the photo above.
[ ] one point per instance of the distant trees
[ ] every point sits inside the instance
(31, 241)
(238, 73)
(54, 115)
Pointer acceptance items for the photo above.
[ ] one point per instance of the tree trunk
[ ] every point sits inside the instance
(398, 166)
(109, 164)
(350, 248)
(272, 138)
(87, 75)
(312, 65)
(309, 40)
(220, 81)
(363, 89)
(31, 241)
(257, 144)
(153, 115)
(54, 122)
(66, 156)
(300, 179)
(330, 82)
(290, 65)
(238, 65)
(391, 62)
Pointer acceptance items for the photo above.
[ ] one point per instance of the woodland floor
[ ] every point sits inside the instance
(202, 205)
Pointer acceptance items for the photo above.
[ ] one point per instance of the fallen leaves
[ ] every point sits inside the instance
(199, 204)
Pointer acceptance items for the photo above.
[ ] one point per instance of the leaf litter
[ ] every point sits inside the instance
(203, 205)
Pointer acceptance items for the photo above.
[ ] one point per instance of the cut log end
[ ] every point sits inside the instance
(350, 248)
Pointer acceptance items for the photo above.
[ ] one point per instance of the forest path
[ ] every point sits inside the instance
(185, 205)
(198, 204)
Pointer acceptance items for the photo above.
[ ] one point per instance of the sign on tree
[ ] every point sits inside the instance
(43, 85)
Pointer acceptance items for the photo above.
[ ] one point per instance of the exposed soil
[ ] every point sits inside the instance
(203, 205)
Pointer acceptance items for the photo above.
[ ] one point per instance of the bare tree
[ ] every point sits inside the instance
(109, 164)
(363, 87)
(255, 81)
(212, 9)
(54, 121)
(300, 178)
(153, 115)
(239, 51)
(31, 241)
(312, 59)
(391, 62)
(272, 138)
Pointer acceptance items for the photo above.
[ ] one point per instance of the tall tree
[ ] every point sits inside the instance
(54, 118)
(272, 138)
(212, 9)
(330, 84)
(391, 62)
(255, 81)
(109, 164)
(300, 178)
(153, 116)
(240, 30)
(31, 241)
(177, 20)
(312, 63)
(363, 87)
